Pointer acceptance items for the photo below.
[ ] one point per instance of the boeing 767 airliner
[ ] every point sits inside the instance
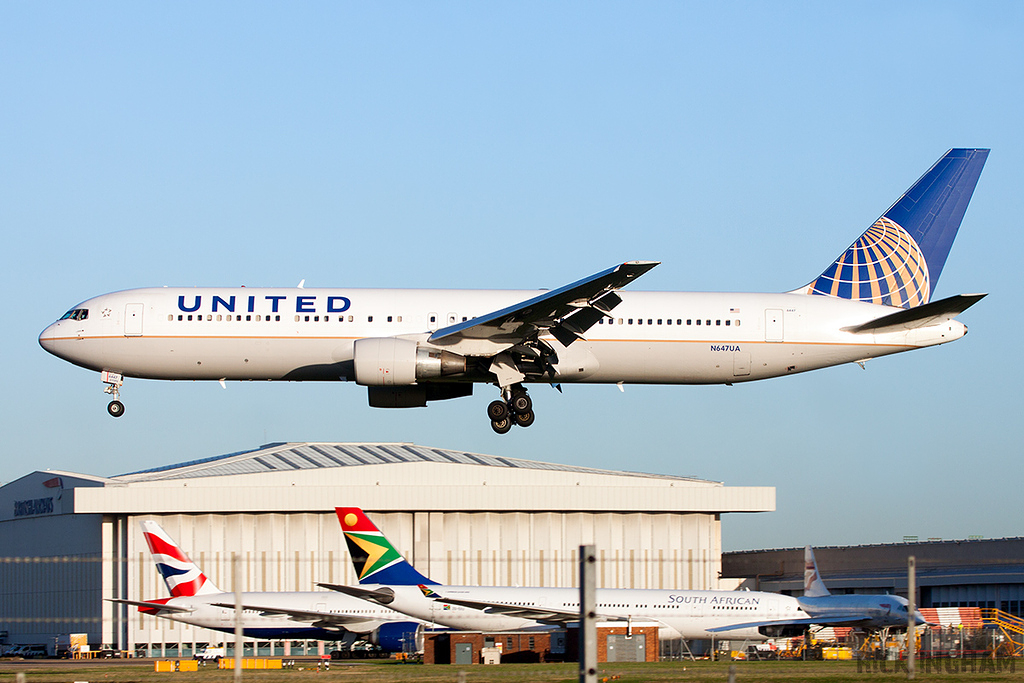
(411, 346)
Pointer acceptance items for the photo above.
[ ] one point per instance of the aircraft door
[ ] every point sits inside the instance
(133, 320)
(773, 329)
(740, 364)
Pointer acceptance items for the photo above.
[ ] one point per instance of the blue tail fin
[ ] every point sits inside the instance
(898, 260)
(374, 558)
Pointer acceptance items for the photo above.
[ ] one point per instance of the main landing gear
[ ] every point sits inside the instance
(516, 408)
(113, 380)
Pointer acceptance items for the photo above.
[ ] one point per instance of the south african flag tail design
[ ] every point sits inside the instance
(374, 558)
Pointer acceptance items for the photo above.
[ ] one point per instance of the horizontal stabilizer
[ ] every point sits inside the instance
(154, 606)
(381, 596)
(920, 316)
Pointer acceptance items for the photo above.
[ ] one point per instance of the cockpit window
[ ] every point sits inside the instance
(76, 314)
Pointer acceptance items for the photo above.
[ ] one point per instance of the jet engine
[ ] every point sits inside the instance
(398, 636)
(389, 361)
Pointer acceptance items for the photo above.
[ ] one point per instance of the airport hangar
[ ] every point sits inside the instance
(986, 573)
(71, 540)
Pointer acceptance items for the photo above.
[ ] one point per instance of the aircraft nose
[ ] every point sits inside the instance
(47, 338)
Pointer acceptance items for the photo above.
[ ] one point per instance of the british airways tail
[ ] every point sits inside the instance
(182, 576)
(374, 558)
(814, 587)
(897, 262)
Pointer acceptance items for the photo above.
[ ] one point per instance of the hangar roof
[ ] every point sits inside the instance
(282, 457)
(286, 478)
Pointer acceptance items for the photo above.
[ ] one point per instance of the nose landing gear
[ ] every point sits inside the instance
(516, 408)
(113, 380)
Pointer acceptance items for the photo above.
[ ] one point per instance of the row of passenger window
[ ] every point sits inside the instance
(668, 321)
(256, 317)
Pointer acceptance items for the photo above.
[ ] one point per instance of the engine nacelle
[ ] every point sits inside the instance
(398, 636)
(393, 362)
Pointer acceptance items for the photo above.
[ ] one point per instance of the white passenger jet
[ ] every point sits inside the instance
(860, 611)
(386, 578)
(315, 615)
(412, 346)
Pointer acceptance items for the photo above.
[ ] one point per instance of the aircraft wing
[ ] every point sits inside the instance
(566, 312)
(152, 605)
(320, 619)
(544, 615)
(541, 614)
(920, 316)
(849, 619)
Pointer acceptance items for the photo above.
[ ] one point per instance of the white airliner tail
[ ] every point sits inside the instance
(814, 587)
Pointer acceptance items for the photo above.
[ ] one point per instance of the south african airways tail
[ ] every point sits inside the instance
(374, 558)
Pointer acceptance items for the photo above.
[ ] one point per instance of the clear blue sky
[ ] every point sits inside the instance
(524, 145)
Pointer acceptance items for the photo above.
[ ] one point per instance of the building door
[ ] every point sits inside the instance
(133, 320)
(463, 653)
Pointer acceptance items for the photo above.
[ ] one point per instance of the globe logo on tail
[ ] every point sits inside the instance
(885, 266)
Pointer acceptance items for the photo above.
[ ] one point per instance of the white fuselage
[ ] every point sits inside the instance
(308, 334)
(360, 617)
(680, 613)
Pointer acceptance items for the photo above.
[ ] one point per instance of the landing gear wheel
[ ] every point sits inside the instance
(525, 419)
(502, 426)
(520, 403)
(115, 408)
(497, 410)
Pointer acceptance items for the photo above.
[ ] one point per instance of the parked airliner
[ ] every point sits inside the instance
(386, 578)
(861, 611)
(409, 347)
(320, 615)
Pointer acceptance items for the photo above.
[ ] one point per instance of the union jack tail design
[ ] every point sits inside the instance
(814, 587)
(182, 576)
